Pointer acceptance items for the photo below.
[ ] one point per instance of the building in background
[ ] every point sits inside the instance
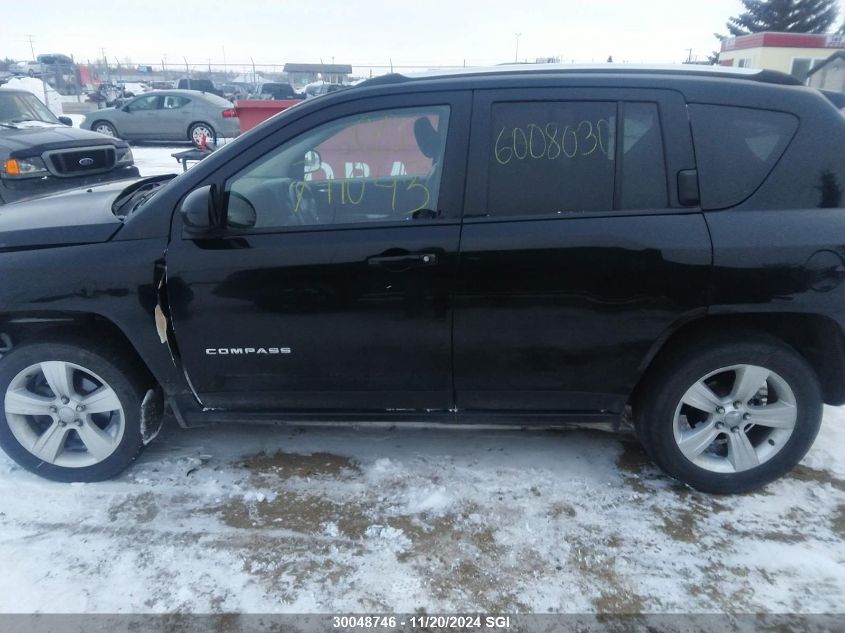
(300, 74)
(793, 53)
(830, 74)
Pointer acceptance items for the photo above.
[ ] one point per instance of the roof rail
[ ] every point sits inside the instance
(762, 76)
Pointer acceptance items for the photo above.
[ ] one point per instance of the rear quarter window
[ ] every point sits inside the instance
(736, 149)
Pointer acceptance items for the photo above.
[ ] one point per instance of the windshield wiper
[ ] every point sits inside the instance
(31, 121)
(11, 126)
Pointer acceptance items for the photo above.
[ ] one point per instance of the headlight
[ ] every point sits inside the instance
(23, 167)
(124, 156)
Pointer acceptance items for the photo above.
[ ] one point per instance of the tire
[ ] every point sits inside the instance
(104, 127)
(51, 444)
(787, 408)
(198, 129)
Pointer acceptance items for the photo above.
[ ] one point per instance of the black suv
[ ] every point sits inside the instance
(533, 245)
(40, 153)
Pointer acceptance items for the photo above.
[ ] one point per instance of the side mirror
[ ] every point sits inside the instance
(199, 211)
(66, 121)
(126, 108)
(313, 161)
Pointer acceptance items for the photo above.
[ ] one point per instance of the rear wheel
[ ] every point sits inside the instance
(70, 412)
(198, 131)
(729, 415)
(104, 127)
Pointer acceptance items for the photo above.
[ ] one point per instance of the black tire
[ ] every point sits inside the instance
(127, 380)
(210, 138)
(665, 386)
(104, 124)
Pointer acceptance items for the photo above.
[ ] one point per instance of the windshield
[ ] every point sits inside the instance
(17, 107)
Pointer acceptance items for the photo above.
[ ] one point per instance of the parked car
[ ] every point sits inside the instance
(29, 68)
(203, 85)
(275, 91)
(522, 245)
(162, 85)
(40, 154)
(167, 115)
(319, 88)
(233, 92)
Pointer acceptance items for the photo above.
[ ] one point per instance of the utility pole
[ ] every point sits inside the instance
(106, 62)
(689, 55)
(516, 53)
(31, 45)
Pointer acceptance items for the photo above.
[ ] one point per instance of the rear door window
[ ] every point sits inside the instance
(562, 158)
(172, 102)
(552, 157)
(736, 149)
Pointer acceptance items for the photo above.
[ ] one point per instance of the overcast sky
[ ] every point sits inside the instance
(364, 32)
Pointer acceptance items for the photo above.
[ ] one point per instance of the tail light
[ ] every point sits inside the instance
(231, 113)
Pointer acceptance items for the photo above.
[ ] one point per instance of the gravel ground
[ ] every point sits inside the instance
(340, 519)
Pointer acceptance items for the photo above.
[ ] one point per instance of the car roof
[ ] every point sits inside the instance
(622, 70)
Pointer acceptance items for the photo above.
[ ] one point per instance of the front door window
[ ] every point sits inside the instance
(382, 166)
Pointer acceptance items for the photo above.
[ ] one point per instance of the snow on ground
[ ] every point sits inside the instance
(36, 86)
(154, 159)
(340, 519)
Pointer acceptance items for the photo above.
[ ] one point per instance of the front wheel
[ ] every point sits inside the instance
(104, 127)
(730, 415)
(71, 412)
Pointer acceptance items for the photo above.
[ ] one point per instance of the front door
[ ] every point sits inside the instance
(138, 119)
(576, 254)
(331, 286)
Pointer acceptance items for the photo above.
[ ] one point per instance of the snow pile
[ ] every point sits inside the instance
(37, 87)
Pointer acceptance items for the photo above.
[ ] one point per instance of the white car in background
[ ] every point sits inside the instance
(28, 68)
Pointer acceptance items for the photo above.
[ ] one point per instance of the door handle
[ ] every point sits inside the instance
(399, 263)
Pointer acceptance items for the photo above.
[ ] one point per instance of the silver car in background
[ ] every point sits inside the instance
(168, 115)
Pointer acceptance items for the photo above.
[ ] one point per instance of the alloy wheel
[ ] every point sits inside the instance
(199, 132)
(105, 129)
(64, 414)
(735, 418)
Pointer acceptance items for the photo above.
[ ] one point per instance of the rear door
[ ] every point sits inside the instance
(576, 253)
(174, 117)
